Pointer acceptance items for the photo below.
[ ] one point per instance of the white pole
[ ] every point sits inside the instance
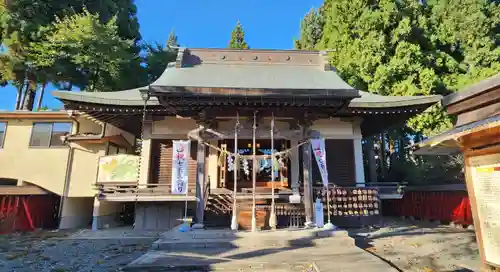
(234, 219)
(187, 193)
(328, 203)
(254, 172)
(272, 219)
(329, 225)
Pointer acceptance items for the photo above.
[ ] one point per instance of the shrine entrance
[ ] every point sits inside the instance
(264, 163)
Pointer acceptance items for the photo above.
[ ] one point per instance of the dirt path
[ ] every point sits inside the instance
(422, 246)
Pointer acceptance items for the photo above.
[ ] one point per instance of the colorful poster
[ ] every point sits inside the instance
(319, 152)
(118, 168)
(180, 160)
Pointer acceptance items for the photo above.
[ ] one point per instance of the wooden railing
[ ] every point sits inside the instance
(133, 190)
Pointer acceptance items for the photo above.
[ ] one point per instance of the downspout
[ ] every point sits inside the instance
(69, 162)
(67, 174)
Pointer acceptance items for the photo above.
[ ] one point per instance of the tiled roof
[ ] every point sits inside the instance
(249, 73)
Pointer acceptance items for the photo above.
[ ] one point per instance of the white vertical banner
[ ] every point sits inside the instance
(180, 160)
(319, 152)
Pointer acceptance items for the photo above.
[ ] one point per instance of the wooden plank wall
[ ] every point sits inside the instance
(161, 161)
(340, 163)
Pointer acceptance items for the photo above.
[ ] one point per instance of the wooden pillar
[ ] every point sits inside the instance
(213, 160)
(307, 166)
(294, 165)
(200, 185)
(358, 163)
(370, 155)
(254, 172)
(382, 157)
(145, 158)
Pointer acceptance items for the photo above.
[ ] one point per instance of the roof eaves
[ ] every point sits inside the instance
(71, 96)
(468, 92)
(412, 101)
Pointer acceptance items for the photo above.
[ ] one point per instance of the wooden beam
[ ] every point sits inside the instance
(475, 102)
(63, 115)
(28, 213)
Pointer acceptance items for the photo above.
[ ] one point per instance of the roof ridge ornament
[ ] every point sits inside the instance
(326, 63)
(180, 56)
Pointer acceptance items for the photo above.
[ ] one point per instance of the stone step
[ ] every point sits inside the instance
(226, 233)
(314, 259)
(268, 239)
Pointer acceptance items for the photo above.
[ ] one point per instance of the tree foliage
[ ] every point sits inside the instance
(23, 23)
(157, 57)
(407, 48)
(311, 30)
(238, 38)
(81, 45)
(172, 40)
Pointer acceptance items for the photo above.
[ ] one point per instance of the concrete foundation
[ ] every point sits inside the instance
(158, 216)
(105, 214)
(76, 213)
(105, 221)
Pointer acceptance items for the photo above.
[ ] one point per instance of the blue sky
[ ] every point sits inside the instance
(268, 24)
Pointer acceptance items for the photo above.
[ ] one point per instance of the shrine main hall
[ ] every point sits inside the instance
(249, 115)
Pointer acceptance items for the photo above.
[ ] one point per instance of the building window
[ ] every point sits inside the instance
(114, 149)
(49, 134)
(3, 129)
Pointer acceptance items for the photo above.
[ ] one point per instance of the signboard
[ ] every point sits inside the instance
(118, 168)
(180, 160)
(485, 172)
(319, 152)
(295, 198)
(318, 213)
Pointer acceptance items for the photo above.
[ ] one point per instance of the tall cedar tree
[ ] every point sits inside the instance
(407, 48)
(238, 38)
(311, 31)
(157, 58)
(172, 40)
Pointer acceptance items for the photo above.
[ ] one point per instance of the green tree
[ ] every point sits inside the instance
(411, 48)
(470, 34)
(406, 48)
(238, 38)
(80, 44)
(23, 22)
(157, 58)
(311, 30)
(172, 40)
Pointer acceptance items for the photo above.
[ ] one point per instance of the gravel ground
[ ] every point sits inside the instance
(422, 246)
(407, 245)
(60, 251)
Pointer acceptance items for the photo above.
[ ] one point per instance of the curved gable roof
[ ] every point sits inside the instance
(132, 98)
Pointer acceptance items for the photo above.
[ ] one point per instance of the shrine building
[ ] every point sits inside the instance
(249, 115)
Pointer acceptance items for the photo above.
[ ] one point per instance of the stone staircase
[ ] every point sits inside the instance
(218, 210)
(225, 250)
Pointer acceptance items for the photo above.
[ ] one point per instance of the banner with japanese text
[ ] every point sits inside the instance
(319, 152)
(180, 160)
